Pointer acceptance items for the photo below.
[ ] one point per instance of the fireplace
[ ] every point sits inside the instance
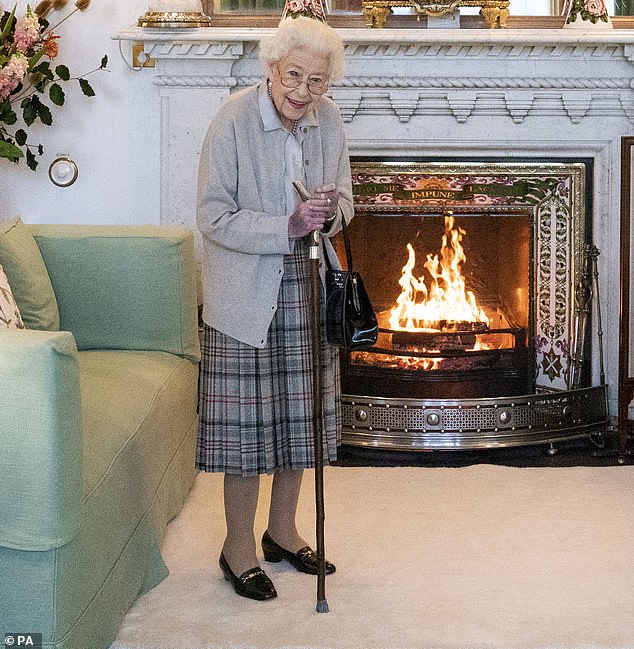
(472, 270)
(473, 342)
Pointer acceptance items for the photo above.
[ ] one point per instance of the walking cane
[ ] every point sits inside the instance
(315, 299)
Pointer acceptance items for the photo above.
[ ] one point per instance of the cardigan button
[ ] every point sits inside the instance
(307, 162)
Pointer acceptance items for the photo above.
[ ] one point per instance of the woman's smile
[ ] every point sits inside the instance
(297, 105)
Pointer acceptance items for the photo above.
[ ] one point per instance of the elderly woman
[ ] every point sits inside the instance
(256, 375)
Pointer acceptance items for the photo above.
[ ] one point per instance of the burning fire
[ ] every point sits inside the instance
(436, 325)
(446, 302)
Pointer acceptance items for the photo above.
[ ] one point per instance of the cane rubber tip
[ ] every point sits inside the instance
(322, 606)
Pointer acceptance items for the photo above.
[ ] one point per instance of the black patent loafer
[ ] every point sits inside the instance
(304, 560)
(253, 583)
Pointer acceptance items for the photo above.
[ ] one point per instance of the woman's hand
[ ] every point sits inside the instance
(330, 194)
(312, 214)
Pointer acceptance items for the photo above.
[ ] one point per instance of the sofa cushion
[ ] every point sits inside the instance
(129, 399)
(124, 287)
(9, 311)
(24, 266)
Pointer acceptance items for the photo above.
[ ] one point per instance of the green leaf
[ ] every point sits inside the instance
(29, 110)
(62, 72)
(104, 62)
(56, 94)
(30, 160)
(7, 115)
(10, 151)
(86, 88)
(21, 137)
(33, 61)
(44, 112)
(8, 25)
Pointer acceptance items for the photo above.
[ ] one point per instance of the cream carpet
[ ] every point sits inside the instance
(485, 557)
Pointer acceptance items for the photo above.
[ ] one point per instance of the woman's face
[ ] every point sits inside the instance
(298, 65)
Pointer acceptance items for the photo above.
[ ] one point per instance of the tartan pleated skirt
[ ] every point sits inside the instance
(255, 405)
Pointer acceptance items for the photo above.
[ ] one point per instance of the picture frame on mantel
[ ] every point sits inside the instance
(626, 317)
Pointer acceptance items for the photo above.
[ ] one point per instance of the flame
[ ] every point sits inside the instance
(446, 300)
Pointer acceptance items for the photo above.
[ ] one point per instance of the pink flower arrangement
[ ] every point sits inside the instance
(27, 32)
(12, 74)
(591, 10)
(310, 8)
(27, 49)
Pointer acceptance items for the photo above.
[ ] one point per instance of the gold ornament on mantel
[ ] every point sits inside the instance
(494, 12)
(175, 14)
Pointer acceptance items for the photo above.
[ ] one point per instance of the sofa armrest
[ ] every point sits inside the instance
(40, 439)
(124, 287)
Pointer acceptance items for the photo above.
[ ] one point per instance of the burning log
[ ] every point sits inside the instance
(450, 336)
(462, 337)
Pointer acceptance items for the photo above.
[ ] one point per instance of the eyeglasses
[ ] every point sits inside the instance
(293, 79)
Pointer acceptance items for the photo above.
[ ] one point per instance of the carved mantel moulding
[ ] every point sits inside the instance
(441, 72)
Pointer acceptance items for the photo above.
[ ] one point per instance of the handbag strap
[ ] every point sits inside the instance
(346, 240)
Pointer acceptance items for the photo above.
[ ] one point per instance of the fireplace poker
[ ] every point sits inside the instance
(316, 342)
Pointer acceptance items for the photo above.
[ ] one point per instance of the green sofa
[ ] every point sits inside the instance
(97, 430)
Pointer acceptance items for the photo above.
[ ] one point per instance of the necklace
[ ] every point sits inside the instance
(269, 85)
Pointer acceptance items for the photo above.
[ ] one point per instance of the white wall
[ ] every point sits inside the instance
(530, 7)
(95, 132)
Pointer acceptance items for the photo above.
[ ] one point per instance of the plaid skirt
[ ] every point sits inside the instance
(255, 405)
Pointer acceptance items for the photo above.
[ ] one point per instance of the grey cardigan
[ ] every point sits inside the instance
(242, 209)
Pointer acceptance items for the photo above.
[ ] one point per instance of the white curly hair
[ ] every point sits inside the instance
(307, 34)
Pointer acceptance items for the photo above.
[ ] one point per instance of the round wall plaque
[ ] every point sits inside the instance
(63, 171)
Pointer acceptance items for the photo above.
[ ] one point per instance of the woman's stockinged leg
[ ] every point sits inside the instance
(282, 540)
(241, 500)
(284, 497)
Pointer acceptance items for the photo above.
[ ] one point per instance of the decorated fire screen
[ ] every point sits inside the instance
(505, 240)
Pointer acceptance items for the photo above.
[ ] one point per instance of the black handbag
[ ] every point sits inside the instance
(350, 319)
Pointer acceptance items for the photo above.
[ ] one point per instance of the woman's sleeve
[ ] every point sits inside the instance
(345, 207)
(218, 215)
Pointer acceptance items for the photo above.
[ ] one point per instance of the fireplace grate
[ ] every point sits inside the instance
(403, 424)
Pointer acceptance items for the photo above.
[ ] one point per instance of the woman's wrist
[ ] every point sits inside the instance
(328, 223)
